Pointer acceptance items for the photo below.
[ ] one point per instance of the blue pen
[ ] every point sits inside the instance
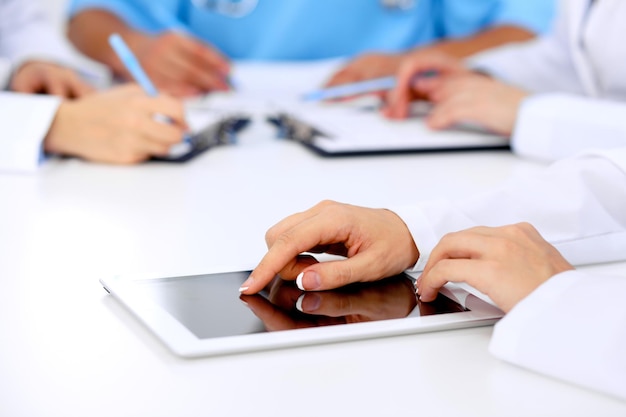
(131, 63)
(352, 89)
(361, 87)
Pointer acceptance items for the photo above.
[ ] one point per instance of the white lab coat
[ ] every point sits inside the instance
(574, 326)
(26, 34)
(577, 72)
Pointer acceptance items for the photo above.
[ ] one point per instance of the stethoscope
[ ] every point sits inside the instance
(241, 8)
(230, 8)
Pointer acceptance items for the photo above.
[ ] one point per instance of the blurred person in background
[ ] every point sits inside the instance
(47, 108)
(554, 96)
(186, 45)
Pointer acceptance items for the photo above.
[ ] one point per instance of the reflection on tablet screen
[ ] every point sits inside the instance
(210, 305)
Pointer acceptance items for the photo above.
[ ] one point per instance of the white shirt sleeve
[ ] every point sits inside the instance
(25, 120)
(577, 204)
(5, 71)
(547, 62)
(26, 33)
(555, 126)
(573, 327)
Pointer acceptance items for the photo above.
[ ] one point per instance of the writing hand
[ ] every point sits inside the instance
(117, 126)
(180, 65)
(398, 100)
(472, 98)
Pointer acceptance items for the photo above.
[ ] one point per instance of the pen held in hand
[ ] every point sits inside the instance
(131, 63)
(373, 85)
(352, 89)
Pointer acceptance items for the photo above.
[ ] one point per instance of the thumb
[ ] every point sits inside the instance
(334, 274)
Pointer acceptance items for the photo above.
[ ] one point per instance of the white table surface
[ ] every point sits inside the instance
(69, 349)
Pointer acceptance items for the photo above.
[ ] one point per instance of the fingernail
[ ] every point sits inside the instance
(299, 281)
(311, 302)
(309, 281)
(299, 303)
(308, 302)
(246, 284)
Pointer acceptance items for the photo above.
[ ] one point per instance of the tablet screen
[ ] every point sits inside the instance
(210, 306)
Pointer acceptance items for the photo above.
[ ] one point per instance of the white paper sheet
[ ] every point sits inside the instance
(266, 89)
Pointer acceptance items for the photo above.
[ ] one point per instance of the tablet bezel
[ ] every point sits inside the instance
(182, 342)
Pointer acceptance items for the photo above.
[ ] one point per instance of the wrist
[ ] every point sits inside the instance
(55, 140)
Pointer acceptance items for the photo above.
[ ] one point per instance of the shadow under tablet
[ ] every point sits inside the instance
(209, 306)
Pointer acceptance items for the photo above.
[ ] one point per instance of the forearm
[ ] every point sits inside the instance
(89, 31)
(484, 40)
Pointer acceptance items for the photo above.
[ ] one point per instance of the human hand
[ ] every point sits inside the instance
(376, 242)
(180, 65)
(424, 61)
(506, 263)
(386, 299)
(117, 126)
(35, 77)
(366, 67)
(472, 98)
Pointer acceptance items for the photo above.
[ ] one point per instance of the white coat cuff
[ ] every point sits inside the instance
(21, 143)
(421, 230)
(528, 312)
(533, 130)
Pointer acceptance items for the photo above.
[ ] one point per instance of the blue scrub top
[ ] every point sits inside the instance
(317, 29)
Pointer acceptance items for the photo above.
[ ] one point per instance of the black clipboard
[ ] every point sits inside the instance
(291, 127)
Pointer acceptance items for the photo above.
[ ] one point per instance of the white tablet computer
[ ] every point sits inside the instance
(204, 315)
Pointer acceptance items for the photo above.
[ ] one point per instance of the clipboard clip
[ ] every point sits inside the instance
(222, 132)
(292, 128)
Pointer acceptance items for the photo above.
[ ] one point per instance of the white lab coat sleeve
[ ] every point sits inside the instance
(555, 126)
(573, 327)
(577, 204)
(27, 34)
(542, 65)
(25, 120)
(5, 72)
